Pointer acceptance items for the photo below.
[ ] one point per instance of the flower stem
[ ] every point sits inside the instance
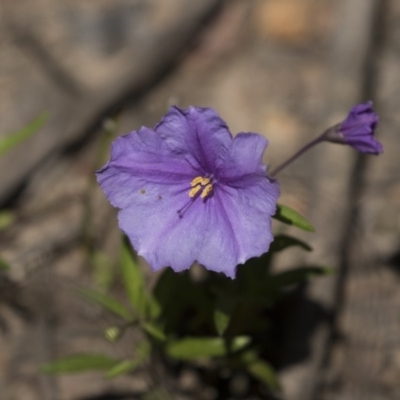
(300, 152)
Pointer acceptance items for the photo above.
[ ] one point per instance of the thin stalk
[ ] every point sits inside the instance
(299, 153)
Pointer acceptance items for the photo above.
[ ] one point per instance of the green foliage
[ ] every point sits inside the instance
(282, 242)
(193, 347)
(261, 370)
(143, 351)
(13, 140)
(177, 294)
(108, 303)
(4, 266)
(79, 363)
(103, 270)
(154, 330)
(134, 282)
(221, 320)
(297, 275)
(216, 318)
(7, 218)
(158, 394)
(289, 216)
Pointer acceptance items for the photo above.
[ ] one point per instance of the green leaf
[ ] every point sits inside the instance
(79, 363)
(6, 219)
(225, 304)
(4, 266)
(108, 303)
(192, 347)
(298, 275)
(133, 281)
(177, 294)
(16, 138)
(123, 367)
(103, 269)
(291, 217)
(154, 330)
(221, 320)
(261, 370)
(142, 354)
(158, 394)
(281, 242)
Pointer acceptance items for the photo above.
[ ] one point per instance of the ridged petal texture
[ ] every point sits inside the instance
(188, 191)
(359, 127)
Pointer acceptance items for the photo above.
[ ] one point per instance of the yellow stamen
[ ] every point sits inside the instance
(206, 191)
(200, 183)
(200, 180)
(194, 191)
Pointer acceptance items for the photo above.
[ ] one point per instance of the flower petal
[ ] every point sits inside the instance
(244, 157)
(156, 177)
(357, 130)
(142, 164)
(160, 235)
(197, 131)
(241, 227)
(365, 144)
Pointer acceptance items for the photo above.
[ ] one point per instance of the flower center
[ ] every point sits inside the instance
(200, 183)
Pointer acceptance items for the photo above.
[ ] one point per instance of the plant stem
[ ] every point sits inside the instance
(300, 152)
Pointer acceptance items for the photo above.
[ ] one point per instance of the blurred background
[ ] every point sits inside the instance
(284, 68)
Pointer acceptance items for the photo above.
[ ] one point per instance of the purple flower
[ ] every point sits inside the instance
(187, 191)
(357, 130)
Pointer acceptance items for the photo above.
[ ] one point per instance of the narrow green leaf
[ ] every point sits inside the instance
(6, 219)
(158, 394)
(221, 321)
(192, 347)
(123, 368)
(154, 307)
(142, 354)
(16, 138)
(133, 281)
(79, 363)
(104, 271)
(291, 217)
(298, 275)
(4, 266)
(264, 372)
(108, 303)
(282, 242)
(154, 330)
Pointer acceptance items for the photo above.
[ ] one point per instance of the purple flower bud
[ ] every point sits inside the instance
(357, 130)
